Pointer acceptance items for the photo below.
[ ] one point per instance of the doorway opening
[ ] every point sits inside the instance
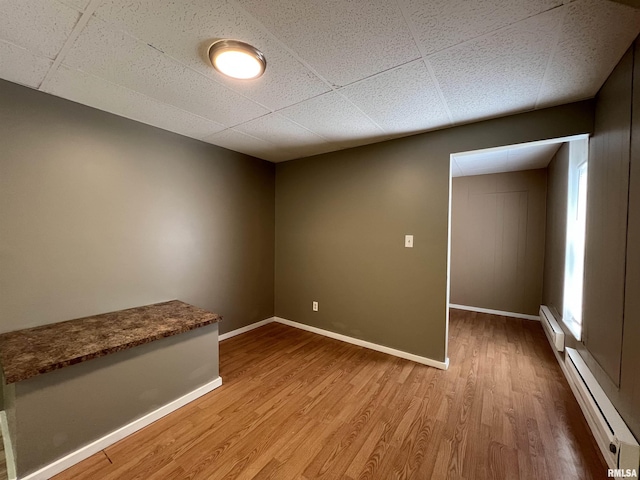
(498, 212)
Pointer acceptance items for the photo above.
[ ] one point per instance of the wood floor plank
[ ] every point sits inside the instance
(295, 405)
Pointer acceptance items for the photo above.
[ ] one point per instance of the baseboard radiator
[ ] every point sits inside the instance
(551, 328)
(618, 446)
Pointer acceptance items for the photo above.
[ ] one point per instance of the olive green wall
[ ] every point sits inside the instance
(341, 219)
(497, 240)
(611, 317)
(101, 213)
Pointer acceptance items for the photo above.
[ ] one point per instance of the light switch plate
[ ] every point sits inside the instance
(408, 241)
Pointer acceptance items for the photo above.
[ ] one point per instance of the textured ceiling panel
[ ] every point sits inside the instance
(98, 93)
(142, 68)
(401, 100)
(333, 118)
(40, 26)
(81, 5)
(193, 27)
(340, 73)
(20, 66)
(500, 72)
(587, 50)
(240, 142)
(277, 129)
(343, 40)
(441, 24)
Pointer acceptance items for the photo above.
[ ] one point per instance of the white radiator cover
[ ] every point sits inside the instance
(551, 328)
(618, 445)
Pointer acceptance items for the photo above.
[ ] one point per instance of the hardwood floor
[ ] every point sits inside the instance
(295, 405)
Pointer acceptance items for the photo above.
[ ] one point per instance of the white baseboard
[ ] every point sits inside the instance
(246, 329)
(495, 312)
(362, 343)
(111, 438)
(8, 448)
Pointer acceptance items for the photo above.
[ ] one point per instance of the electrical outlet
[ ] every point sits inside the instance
(315, 306)
(408, 241)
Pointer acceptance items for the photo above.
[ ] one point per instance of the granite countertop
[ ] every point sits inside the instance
(32, 351)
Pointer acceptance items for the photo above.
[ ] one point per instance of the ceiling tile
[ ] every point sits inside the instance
(595, 35)
(280, 131)
(195, 24)
(401, 100)
(303, 151)
(357, 142)
(40, 26)
(80, 5)
(333, 117)
(144, 69)
(20, 66)
(499, 73)
(344, 41)
(441, 24)
(95, 92)
(240, 142)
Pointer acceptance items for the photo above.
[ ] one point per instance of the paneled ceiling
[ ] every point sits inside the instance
(340, 73)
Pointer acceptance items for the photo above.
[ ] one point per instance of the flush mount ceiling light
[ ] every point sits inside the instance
(237, 59)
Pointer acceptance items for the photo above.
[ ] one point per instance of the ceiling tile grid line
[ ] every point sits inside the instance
(344, 40)
(71, 39)
(287, 119)
(182, 64)
(403, 99)
(556, 46)
(587, 41)
(400, 68)
(211, 78)
(194, 25)
(334, 88)
(295, 55)
(160, 68)
(79, 5)
(553, 4)
(499, 73)
(53, 22)
(426, 62)
(52, 90)
(503, 28)
(14, 68)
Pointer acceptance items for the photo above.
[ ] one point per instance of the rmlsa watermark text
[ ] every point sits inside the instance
(622, 473)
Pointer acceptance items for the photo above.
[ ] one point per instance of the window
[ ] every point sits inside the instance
(576, 227)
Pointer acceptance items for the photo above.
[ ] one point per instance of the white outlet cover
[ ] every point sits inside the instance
(408, 241)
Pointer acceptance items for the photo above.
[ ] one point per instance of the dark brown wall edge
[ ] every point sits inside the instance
(611, 316)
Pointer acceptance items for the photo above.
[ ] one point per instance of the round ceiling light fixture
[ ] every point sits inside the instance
(237, 59)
